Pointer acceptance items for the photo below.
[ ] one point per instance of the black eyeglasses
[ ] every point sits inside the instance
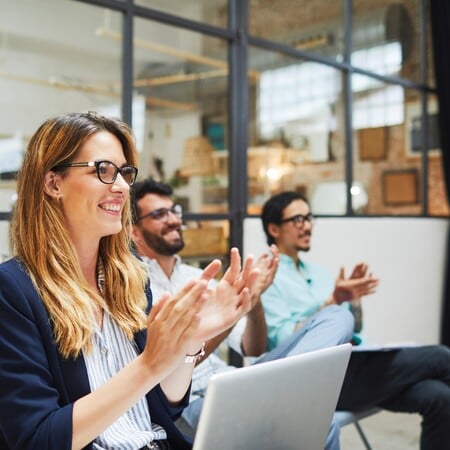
(299, 219)
(106, 170)
(162, 214)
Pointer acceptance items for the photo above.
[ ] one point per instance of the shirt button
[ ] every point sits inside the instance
(104, 350)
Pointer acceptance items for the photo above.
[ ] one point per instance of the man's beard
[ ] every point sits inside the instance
(304, 248)
(159, 245)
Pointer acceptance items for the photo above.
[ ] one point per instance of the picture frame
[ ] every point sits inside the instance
(372, 143)
(400, 187)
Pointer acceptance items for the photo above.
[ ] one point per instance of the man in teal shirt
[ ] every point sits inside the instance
(410, 379)
(293, 298)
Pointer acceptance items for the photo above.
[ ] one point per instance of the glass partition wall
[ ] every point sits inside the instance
(51, 62)
(232, 101)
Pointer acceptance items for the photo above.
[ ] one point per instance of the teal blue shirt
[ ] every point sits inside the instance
(297, 292)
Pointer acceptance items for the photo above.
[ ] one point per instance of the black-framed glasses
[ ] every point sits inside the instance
(106, 170)
(299, 219)
(162, 214)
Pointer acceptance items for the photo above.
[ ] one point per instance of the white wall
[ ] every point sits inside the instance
(407, 254)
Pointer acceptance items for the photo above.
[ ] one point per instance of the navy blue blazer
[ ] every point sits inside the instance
(38, 386)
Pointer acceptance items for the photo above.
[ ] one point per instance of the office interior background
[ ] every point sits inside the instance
(232, 101)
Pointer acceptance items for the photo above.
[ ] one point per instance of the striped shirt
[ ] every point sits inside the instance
(111, 351)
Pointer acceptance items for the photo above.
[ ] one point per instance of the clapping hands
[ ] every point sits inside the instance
(267, 265)
(177, 325)
(359, 284)
(231, 298)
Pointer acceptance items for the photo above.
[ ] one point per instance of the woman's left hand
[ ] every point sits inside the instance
(230, 300)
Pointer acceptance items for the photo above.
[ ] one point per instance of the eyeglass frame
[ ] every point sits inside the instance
(298, 219)
(175, 209)
(96, 164)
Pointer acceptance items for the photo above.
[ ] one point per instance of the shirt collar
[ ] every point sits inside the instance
(288, 260)
(153, 263)
(302, 266)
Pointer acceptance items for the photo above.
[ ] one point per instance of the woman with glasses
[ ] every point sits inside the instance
(82, 365)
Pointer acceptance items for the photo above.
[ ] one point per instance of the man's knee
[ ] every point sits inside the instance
(441, 353)
(433, 398)
(427, 362)
(341, 319)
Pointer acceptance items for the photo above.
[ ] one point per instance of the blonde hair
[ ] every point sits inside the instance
(40, 239)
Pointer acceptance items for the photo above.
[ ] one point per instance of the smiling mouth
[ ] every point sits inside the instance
(173, 230)
(111, 207)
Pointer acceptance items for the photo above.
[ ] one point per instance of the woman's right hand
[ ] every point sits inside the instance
(171, 325)
(177, 325)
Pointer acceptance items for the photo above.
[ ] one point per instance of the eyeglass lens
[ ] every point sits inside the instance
(300, 219)
(107, 172)
(163, 213)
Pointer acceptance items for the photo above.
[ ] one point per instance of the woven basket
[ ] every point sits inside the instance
(197, 157)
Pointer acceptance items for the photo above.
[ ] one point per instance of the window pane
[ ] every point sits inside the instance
(213, 12)
(388, 147)
(181, 79)
(296, 140)
(386, 37)
(314, 26)
(53, 61)
(53, 65)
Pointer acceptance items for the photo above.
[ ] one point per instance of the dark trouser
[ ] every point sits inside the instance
(413, 380)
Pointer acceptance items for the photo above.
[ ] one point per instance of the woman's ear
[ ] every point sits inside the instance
(51, 185)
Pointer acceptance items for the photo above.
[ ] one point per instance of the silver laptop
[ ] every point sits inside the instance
(283, 404)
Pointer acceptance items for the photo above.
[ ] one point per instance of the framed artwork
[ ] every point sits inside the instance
(400, 187)
(414, 129)
(372, 143)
